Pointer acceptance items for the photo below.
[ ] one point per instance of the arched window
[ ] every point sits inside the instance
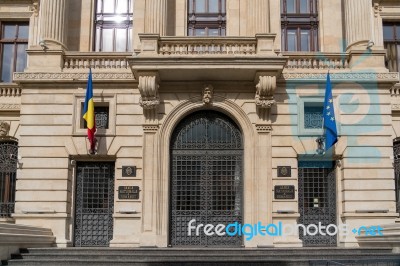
(8, 176)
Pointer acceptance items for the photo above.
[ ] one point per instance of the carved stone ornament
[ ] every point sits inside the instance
(208, 92)
(4, 128)
(265, 91)
(148, 87)
(35, 7)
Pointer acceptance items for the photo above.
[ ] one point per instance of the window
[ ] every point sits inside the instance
(8, 174)
(101, 117)
(206, 17)
(299, 20)
(113, 25)
(313, 115)
(13, 45)
(391, 37)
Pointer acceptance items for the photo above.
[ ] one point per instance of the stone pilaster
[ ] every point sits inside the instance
(258, 16)
(54, 23)
(156, 17)
(358, 22)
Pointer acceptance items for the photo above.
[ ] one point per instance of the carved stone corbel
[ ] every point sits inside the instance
(35, 7)
(148, 87)
(265, 89)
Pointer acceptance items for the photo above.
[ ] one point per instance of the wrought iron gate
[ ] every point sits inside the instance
(94, 204)
(8, 173)
(396, 153)
(206, 178)
(317, 200)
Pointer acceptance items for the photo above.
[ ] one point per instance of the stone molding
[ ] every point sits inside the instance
(25, 76)
(10, 106)
(343, 76)
(148, 87)
(265, 89)
(150, 128)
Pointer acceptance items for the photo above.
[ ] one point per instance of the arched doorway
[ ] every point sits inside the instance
(206, 181)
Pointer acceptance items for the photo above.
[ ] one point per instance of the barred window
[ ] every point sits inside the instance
(101, 114)
(299, 23)
(313, 115)
(206, 17)
(13, 45)
(391, 37)
(114, 20)
(8, 177)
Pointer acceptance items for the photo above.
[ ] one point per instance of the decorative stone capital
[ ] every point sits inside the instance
(265, 89)
(262, 128)
(4, 128)
(148, 87)
(208, 92)
(377, 9)
(35, 7)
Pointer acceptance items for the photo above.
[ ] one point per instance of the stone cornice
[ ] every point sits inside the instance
(64, 76)
(343, 76)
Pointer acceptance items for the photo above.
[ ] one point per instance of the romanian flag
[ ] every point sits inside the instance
(88, 112)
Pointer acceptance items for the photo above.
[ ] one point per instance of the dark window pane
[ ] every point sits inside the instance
(313, 116)
(7, 62)
(200, 32)
(213, 32)
(200, 6)
(10, 31)
(23, 32)
(290, 6)
(388, 33)
(213, 6)
(305, 40)
(304, 6)
(21, 57)
(397, 27)
(292, 40)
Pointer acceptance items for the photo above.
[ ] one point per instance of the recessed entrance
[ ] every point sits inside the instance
(206, 178)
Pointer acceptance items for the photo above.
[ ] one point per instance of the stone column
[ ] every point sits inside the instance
(358, 22)
(54, 23)
(156, 17)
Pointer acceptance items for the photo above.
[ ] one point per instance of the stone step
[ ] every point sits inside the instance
(209, 256)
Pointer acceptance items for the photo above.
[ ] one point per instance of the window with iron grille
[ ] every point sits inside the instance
(101, 114)
(313, 115)
(299, 21)
(391, 37)
(206, 17)
(13, 45)
(8, 176)
(113, 25)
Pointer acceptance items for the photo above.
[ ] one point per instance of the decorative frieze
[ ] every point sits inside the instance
(22, 76)
(10, 107)
(366, 76)
(150, 128)
(265, 89)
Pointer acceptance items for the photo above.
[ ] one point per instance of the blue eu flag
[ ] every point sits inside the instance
(330, 130)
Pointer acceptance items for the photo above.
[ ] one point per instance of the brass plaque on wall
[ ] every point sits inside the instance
(128, 171)
(284, 192)
(128, 192)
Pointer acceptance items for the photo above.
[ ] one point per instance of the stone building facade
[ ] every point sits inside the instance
(206, 110)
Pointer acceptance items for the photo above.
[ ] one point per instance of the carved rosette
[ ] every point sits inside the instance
(148, 87)
(265, 89)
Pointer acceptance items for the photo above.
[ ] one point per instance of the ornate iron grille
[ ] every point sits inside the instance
(8, 175)
(94, 205)
(396, 153)
(313, 116)
(317, 200)
(206, 178)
